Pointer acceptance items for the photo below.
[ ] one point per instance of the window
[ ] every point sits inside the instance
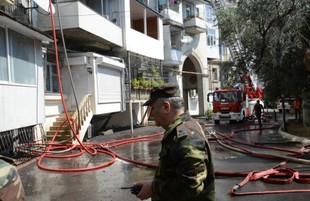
(223, 50)
(17, 60)
(175, 41)
(229, 96)
(174, 5)
(211, 37)
(100, 6)
(214, 74)
(196, 12)
(162, 4)
(188, 10)
(191, 11)
(23, 70)
(3, 61)
(51, 79)
(210, 16)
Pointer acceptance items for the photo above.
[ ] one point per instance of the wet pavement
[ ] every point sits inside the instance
(104, 184)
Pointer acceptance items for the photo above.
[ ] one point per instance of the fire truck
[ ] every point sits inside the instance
(236, 104)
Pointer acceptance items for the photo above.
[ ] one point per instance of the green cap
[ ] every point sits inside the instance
(165, 91)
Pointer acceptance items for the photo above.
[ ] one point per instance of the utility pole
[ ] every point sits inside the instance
(283, 114)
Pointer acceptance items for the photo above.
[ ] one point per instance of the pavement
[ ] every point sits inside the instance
(290, 136)
(104, 184)
(293, 138)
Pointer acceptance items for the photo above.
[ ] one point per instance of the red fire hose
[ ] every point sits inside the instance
(290, 176)
(287, 175)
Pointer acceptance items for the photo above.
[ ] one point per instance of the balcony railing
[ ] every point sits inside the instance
(194, 25)
(17, 11)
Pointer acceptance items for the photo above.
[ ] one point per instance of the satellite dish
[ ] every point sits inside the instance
(45, 5)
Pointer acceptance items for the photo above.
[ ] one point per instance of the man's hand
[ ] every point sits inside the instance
(146, 191)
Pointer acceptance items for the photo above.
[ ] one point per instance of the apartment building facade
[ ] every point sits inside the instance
(102, 46)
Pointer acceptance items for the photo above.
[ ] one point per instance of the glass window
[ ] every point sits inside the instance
(153, 4)
(3, 61)
(175, 40)
(23, 69)
(210, 16)
(51, 78)
(214, 74)
(211, 37)
(188, 10)
(196, 12)
(100, 6)
(174, 5)
(95, 5)
(229, 96)
(162, 4)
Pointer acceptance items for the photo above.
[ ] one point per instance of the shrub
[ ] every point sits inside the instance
(208, 113)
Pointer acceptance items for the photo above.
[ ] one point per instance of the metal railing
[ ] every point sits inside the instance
(82, 112)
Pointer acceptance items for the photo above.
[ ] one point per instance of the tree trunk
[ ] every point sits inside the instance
(307, 60)
(306, 108)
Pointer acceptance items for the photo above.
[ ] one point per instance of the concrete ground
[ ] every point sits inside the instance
(104, 184)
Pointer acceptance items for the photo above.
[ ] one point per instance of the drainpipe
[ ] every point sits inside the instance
(306, 108)
(145, 22)
(283, 114)
(130, 101)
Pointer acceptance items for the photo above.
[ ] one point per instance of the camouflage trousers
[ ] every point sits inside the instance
(11, 188)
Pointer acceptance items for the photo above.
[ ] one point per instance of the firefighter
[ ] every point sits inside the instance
(258, 110)
(297, 108)
(185, 169)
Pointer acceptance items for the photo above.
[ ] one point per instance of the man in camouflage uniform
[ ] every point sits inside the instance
(185, 169)
(11, 188)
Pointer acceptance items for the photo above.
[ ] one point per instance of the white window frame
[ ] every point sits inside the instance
(211, 40)
(214, 74)
(210, 15)
(3, 58)
(20, 69)
(175, 5)
(51, 78)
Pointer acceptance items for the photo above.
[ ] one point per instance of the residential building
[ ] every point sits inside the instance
(187, 51)
(21, 76)
(88, 55)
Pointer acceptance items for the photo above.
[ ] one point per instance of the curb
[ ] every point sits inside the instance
(293, 138)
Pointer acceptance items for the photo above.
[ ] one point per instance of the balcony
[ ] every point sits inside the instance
(84, 29)
(194, 25)
(197, 2)
(172, 57)
(172, 17)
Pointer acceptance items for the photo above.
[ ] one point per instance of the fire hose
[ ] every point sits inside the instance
(267, 176)
(289, 174)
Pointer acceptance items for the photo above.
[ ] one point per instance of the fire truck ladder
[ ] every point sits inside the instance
(235, 46)
(234, 43)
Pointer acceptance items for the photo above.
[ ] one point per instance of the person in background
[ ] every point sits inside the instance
(185, 168)
(258, 110)
(297, 108)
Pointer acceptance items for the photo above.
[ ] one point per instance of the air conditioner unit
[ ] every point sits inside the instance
(7, 2)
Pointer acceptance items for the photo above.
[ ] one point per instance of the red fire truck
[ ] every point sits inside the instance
(235, 104)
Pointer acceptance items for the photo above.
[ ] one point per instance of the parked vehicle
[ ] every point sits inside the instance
(235, 104)
(288, 104)
(232, 105)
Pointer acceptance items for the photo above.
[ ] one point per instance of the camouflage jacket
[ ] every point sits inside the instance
(185, 170)
(11, 187)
